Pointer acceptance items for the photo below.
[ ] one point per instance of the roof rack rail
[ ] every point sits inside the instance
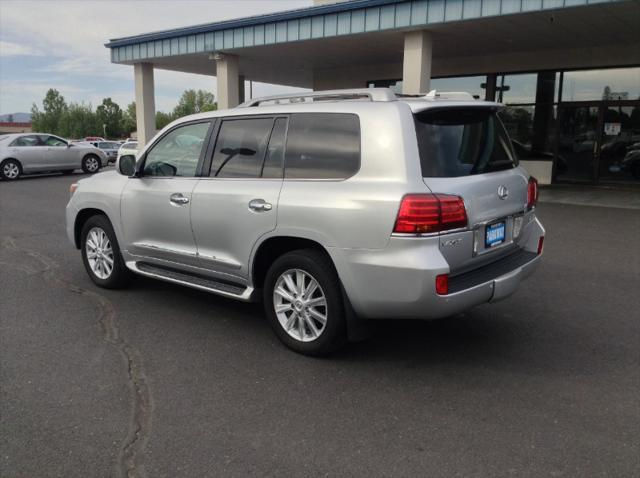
(449, 95)
(369, 94)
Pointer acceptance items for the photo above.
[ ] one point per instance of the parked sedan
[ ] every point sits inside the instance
(28, 153)
(110, 148)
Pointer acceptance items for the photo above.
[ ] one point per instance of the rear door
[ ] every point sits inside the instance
(156, 207)
(29, 151)
(237, 203)
(466, 152)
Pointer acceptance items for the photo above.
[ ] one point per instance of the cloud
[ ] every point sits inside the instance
(65, 40)
(8, 48)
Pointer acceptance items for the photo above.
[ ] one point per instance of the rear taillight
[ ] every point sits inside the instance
(425, 213)
(532, 193)
(442, 284)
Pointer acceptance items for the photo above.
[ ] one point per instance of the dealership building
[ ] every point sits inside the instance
(568, 70)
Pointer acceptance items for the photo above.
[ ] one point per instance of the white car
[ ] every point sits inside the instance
(40, 152)
(130, 147)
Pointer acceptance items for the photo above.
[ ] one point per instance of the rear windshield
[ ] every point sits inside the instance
(461, 142)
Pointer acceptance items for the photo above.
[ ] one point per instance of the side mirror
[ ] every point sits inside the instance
(127, 165)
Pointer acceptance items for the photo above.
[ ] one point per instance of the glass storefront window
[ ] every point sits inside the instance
(596, 85)
(518, 89)
(469, 84)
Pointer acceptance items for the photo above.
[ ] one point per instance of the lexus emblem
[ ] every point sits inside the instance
(503, 192)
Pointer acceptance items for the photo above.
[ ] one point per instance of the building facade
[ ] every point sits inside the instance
(568, 70)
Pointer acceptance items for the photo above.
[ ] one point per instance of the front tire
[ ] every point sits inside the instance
(303, 303)
(10, 170)
(101, 254)
(90, 164)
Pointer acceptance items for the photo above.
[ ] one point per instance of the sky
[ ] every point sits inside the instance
(60, 44)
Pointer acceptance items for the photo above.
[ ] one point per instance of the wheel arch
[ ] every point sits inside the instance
(275, 246)
(81, 218)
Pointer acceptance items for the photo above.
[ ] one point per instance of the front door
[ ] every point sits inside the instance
(156, 207)
(57, 154)
(237, 204)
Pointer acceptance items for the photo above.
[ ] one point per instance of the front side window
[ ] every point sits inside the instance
(178, 152)
(53, 141)
(461, 142)
(322, 146)
(31, 140)
(241, 148)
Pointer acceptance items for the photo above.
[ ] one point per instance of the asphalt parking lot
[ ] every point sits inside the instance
(163, 381)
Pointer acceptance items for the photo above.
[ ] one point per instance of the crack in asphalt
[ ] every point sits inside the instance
(131, 454)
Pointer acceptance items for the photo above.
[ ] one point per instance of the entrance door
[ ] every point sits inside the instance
(620, 144)
(577, 149)
(599, 142)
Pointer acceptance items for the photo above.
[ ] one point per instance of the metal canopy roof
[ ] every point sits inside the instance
(319, 22)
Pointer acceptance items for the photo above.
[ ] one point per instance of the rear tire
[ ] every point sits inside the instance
(303, 303)
(101, 254)
(90, 164)
(10, 169)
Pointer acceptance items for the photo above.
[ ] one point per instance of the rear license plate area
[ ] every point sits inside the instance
(494, 234)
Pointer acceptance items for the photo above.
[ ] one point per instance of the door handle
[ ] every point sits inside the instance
(178, 198)
(260, 205)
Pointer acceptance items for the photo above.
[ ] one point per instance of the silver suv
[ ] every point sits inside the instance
(331, 207)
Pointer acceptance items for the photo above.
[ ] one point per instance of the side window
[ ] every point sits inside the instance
(241, 147)
(53, 141)
(322, 146)
(274, 161)
(178, 152)
(31, 140)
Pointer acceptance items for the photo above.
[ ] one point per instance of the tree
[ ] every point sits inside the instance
(110, 115)
(193, 101)
(129, 118)
(163, 119)
(78, 121)
(54, 107)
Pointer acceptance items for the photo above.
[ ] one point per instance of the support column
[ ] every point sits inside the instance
(241, 93)
(145, 102)
(228, 81)
(416, 68)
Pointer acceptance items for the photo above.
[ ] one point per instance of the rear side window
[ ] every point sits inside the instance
(462, 142)
(241, 147)
(322, 146)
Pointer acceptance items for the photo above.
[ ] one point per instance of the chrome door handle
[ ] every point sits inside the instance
(178, 198)
(259, 205)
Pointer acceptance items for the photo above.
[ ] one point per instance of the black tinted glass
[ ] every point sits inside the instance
(323, 146)
(241, 147)
(462, 142)
(275, 153)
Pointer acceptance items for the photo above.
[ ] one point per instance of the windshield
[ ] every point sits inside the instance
(461, 142)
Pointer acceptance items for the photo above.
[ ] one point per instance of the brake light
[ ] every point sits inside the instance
(425, 213)
(442, 284)
(532, 193)
(540, 245)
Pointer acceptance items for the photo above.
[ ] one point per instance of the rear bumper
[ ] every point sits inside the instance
(399, 281)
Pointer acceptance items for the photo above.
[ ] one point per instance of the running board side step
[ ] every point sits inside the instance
(199, 282)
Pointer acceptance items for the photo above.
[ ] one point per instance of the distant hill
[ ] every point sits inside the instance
(17, 117)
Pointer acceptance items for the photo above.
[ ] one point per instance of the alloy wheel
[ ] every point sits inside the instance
(300, 305)
(99, 253)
